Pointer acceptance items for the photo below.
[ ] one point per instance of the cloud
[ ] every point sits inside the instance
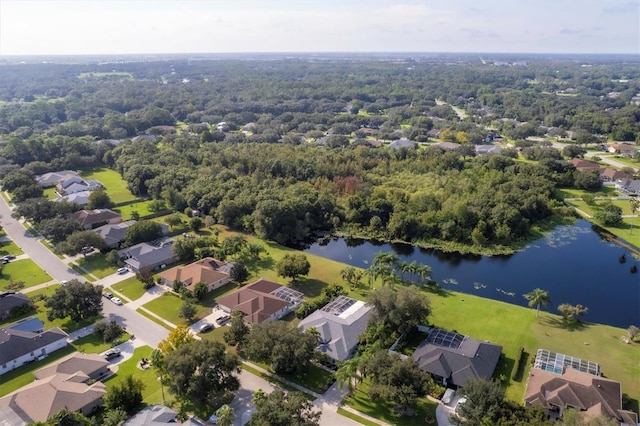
(623, 8)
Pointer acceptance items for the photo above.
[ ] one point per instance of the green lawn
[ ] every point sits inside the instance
(22, 376)
(275, 381)
(24, 270)
(9, 247)
(356, 417)
(50, 193)
(97, 265)
(513, 327)
(152, 393)
(142, 207)
(361, 401)
(130, 288)
(605, 191)
(167, 307)
(92, 344)
(113, 183)
(154, 319)
(315, 378)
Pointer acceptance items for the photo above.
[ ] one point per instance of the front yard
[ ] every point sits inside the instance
(97, 265)
(24, 270)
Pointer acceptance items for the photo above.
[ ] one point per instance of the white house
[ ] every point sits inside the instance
(19, 347)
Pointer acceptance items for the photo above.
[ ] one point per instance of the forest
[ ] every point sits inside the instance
(294, 149)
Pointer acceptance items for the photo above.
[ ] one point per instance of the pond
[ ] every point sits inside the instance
(572, 263)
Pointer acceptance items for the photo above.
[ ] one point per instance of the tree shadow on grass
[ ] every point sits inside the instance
(565, 325)
(310, 287)
(255, 265)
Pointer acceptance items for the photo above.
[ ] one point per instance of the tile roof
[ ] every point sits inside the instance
(256, 300)
(207, 270)
(86, 363)
(89, 217)
(583, 391)
(10, 300)
(113, 233)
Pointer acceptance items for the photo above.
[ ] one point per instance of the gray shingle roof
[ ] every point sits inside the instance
(15, 343)
(472, 358)
(339, 331)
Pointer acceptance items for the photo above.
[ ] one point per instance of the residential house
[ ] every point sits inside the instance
(143, 138)
(557, 382)
(89, 219)
(93, 365)
(113, 234)
(448, 146)
(584, 165)
(493, 137)
(10, 300)
(612, 175)
(51, 179)
(262, 301)
(80, 198)
(453, 358)
(434, 133)
(403, 143)
(629, 186)
(153, 255)
(213, 272)
(488, 149)
(340, 324)
(157, 415)
(19, 347)
(56, 389)
(622, 149)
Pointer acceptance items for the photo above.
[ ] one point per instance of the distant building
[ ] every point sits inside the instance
(584, 165)
(340, 324)
(113, 234)
(88, 219)
(403, 143)
(213, 272)
(10, 300)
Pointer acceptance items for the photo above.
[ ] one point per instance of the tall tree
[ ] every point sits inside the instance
(79, 240)
(141, 231)
(238, 331)
(77, 300)
(537, 298)
(292, 266)
(485, 403)
(99, 200)
(126, 395)
(225, 415)
(284, 409)
(203, 372)
(399, 310)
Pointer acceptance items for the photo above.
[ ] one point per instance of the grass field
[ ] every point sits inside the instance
(629, 230)
(97, 265)
(382, 410)
(152, 392)
(275, 381)
(605, 191)
(9, 247)
(24, 270)
(92, 344)
(113, 183)
(130, 288)
(167, 306)
(142, 207)
(356, 417)
(50, 193)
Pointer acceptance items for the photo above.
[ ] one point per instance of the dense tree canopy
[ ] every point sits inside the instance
(77, 300)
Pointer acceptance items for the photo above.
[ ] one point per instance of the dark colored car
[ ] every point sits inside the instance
(223, 319)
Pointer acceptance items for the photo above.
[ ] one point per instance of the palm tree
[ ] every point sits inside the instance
(579, 311)
(635, 204)
(382, 258)
(348, 274)
(348, 373)
(537, 298)
(424, 271)
(225, 415)
(403, 267)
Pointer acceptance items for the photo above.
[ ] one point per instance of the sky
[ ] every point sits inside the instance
(51, 27)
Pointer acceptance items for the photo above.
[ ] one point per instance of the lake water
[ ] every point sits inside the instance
(572, 263)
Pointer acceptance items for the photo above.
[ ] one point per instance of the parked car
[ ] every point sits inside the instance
(122, 271)
(112, 353)
(64, 282)
(448, 396)
(107, 295)
(206, 327)
(223, 319)
(86, 250)
(116, 300)
(7, 258)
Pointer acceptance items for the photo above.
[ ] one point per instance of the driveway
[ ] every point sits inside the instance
(242, 404)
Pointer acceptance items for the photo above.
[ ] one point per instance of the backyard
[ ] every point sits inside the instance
(113, 183)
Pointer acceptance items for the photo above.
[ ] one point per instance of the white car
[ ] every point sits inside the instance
(116, 300)
(122, 271)
(459, 404)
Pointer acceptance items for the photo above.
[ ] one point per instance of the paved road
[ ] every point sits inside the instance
(31, 245)
(608, 160)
